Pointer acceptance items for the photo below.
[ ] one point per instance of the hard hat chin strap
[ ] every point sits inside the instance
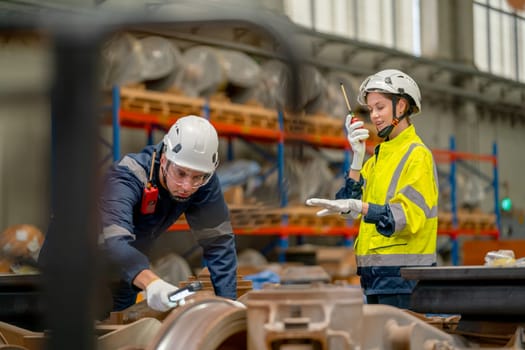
(395, 120)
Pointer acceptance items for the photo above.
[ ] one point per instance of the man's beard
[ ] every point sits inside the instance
(180, 199)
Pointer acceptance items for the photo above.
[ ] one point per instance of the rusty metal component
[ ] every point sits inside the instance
(110, 337)
(12, 347)
(322, 317)
(387, 327)
(243, 286)
(137, 334)
(134, 313)
(203, 323)
(305, 316)
(291, 317)
(304, 275)
(11, 335)
(141, 310)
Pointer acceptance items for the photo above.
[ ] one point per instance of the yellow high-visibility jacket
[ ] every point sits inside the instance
(402, 174)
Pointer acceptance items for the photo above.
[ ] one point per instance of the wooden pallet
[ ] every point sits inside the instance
(249, 217)
(476, 221)
(160, 104)
(321, 125)
(243, 286)
(306, 217)
(242, 115)
(255, 217)
(223, 111)
(258, 216)
(274, 217)
(445, 220)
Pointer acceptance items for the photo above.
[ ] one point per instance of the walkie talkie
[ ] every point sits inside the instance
(354, 118)
(150, 194)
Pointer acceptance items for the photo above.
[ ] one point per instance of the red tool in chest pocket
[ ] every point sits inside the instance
(150, 194)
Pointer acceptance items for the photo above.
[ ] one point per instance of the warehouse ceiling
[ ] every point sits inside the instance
(444, 82)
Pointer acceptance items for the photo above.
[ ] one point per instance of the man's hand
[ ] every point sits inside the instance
(157, 295)
(349, 207)
(356, 135)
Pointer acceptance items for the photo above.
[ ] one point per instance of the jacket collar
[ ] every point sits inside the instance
(406, 136)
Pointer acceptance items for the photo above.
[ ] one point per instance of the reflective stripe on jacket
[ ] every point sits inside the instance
(403, 175)
(127, 234)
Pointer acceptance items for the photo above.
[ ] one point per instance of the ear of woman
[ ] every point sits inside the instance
(402, 106)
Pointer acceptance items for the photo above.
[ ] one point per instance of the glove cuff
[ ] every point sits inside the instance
(350, 214)
(357, 162)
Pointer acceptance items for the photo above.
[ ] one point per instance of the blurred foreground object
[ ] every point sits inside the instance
(518, 5)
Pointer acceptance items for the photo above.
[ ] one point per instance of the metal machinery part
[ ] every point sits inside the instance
(489, 299)
(21, 303)
(469, 290)
(333, 317)
(12, 347)
(203, 323)
(292, 317)
(278, 317)
(306, 317)
(330, 317)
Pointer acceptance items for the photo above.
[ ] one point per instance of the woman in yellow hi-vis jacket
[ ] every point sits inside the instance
(395, 192)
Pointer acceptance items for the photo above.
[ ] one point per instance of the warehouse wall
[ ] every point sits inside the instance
(25, 161)
(25, 132)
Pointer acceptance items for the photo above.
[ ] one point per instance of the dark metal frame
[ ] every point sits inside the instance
(70, 280)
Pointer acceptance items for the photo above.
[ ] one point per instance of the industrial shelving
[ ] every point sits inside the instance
(149, 110)
(491, 227)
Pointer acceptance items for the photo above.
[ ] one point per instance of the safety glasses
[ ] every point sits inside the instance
(182, 176)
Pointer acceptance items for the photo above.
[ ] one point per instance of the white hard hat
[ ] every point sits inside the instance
(192, 143)
(392, 81)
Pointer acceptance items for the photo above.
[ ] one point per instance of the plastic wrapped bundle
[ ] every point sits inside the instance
(162, 62)
(241, 71)
(121, 60)
(239, 68)
(158, 58)
(201, 73)
(313, 85)
(270, 92)
(237, 172)
(297, 186)
(129, 60)
(470, 191)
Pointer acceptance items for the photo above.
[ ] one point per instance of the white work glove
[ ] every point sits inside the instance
(157, 295)
(356, 135)
(347, 207)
